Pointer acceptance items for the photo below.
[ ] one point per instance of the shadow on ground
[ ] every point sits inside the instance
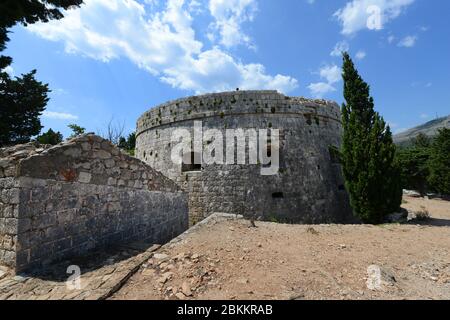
(58, 271)
(432, 222)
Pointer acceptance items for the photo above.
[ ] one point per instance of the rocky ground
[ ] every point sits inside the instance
(226, 259)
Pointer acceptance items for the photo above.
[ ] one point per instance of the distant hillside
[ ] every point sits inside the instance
(430, 129)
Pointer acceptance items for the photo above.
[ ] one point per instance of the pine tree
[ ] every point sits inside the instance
(440, 163)
(76, 130)
(50, 137)
(29, 12)
(23, 99)
(413, 162)
(367, 155)
(22, 102)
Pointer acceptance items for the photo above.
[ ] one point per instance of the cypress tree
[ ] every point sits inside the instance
(440, 163)
(371, 176)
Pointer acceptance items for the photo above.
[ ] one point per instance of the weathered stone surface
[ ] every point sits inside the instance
(308, 188)
(66, 200)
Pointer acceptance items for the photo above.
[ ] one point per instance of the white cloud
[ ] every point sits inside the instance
(224, 71)
(195, 7)
(408, 42)
(319, 89)
(331, 75)
(163, 43)
(229, 15)
(360, 55)
(340, 47)
(424, 116)
(369, 14)
(59, 115)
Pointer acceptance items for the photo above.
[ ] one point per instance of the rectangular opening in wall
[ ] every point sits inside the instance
(190, 166)
(278, 195)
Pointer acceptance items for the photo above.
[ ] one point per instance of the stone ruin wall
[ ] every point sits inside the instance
(309, 187)
(84, 194)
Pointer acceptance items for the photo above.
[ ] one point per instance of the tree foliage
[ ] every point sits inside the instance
(50, 137)
(367, 155)
(439, 163)
(128, 144)
(23, 99)
(413, 164)
(22, 102)
(29, 12)
(76, 130)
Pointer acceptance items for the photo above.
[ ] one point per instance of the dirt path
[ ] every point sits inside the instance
(229, 260)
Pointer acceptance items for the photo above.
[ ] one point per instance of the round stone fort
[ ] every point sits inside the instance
(306, 185)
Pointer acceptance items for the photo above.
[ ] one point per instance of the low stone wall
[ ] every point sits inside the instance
(83, 194)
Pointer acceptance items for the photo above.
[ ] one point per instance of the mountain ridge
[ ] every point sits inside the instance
(429, 128)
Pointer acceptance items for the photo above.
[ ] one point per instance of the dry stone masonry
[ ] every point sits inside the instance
(63, 201)
(308, 188)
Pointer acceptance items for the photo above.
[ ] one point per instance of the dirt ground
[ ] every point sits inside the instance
(228, 260)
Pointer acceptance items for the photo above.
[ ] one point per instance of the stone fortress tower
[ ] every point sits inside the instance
(308, 187)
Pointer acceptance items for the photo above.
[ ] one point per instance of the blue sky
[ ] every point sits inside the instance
(115, 59)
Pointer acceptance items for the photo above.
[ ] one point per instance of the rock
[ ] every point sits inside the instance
(160, 256)
(148, 272)
(186, 289)
(180, 296)
(2, 274)
(20, 279)
(163, 265)
(379, 278)
(84, 177)
(195, 256)
(412, 193)
(166, 276)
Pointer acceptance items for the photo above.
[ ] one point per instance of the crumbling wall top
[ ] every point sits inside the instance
(234, 103)
(86, 159)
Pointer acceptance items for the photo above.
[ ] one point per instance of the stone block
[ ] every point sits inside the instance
(84, 177)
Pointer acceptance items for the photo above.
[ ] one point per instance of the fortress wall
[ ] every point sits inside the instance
(86, 194)
(308, 187)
